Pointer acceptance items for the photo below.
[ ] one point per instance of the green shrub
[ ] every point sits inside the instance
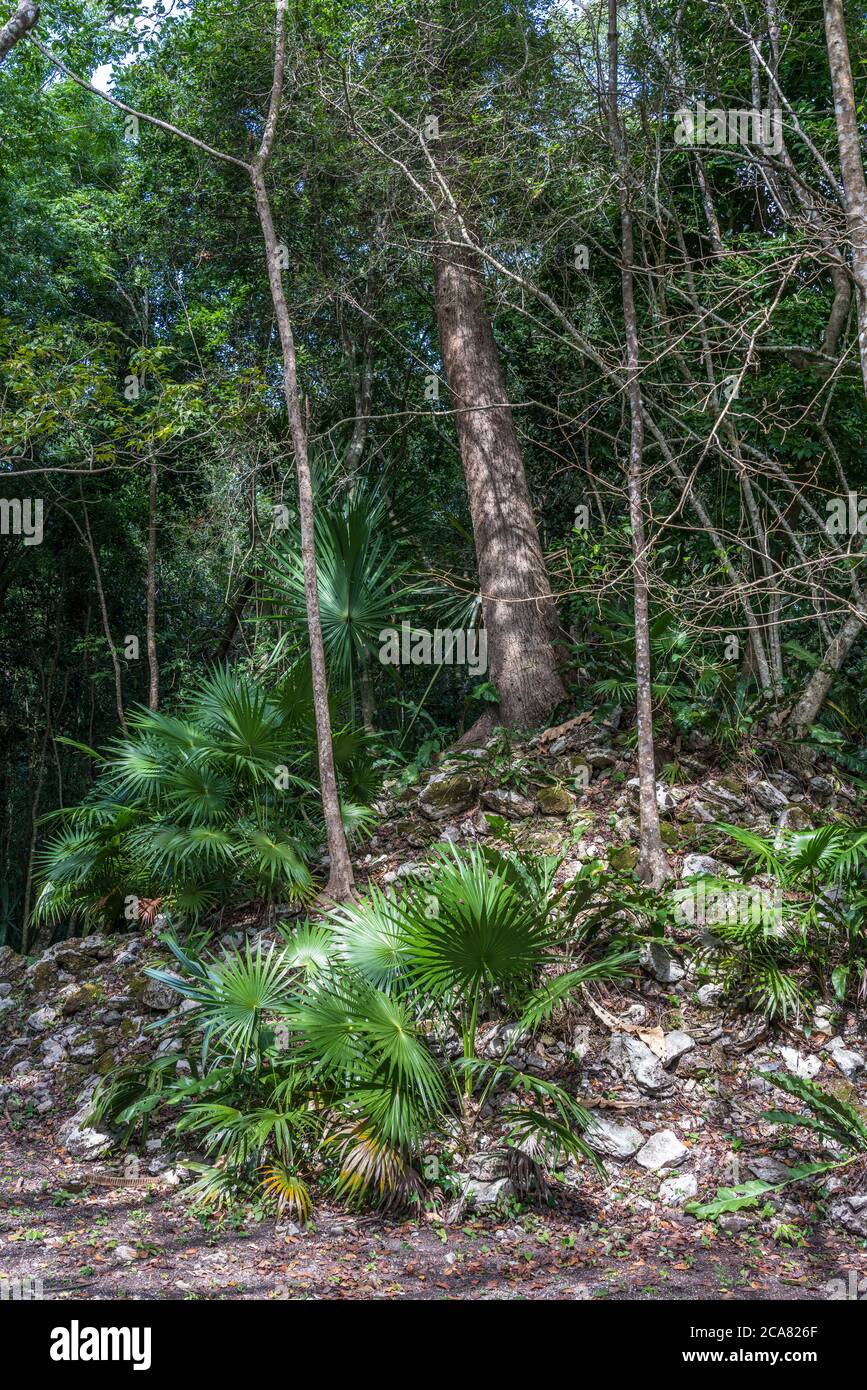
(216, 802)
(354, 1043)
(810, 938)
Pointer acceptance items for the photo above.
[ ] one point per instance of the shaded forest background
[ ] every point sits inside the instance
(142, 376)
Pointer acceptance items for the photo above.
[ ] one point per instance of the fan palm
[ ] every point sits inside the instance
(188, 807)
(818, 918)
(360, 576)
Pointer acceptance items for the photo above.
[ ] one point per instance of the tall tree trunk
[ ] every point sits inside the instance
(653, 866)
(520, 615)
(365, 683)
(45, 679)
(340, 880)
(851, 163)
(153, 665)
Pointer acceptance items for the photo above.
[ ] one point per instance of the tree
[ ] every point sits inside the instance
(653, 865)
(340, 881)
(24, 19)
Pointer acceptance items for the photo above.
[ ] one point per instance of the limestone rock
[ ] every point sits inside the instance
(447, 795)
(849, 1061)
(159, 997)
(677, 1191)
(662, 1150)
(647, 1069)
(620, 1141)
(677, 1044)
(709, 996)
(42, 1019)
(555, 801)
(851, 1213)
(659, 962)
(701, 866)
(12, 966)
(624, 857)
(794, 818)
(769, 796)
(503, 801)
(723, 797)
(799, 1064)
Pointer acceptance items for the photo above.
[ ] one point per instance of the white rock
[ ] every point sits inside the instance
(769, 796)
(851, 1213)
(158, 997)
(665, 798)
(676, 1044)
(52, 1052)
(720, 796)
(662, 1150)
(701, 866)
(83, 1142)
(41, 1019)
(647, 1069)
(658, 961)
(849, 1061)
(614, 1140)
(488, 1194)
(798, 1064)
(709, 996)
(823, 1018)
(504, 801)
(677, 1191)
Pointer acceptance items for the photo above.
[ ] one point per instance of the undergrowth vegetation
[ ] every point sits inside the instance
(794, 928)
(351, 1051)
(191, 810)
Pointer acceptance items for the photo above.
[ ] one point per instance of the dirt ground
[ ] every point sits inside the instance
(95, 1242)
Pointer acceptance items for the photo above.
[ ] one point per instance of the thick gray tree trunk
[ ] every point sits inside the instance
(520, 615)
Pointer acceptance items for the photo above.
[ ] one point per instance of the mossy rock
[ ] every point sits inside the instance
(671, 835)
(624, 858)
(448, 796)
(555, 801)
(847, 1093)
(408, 825)
(81, 997)
(43, 976)
(105, 1062)
(794, 817)
(74, 1075)
(12, 965)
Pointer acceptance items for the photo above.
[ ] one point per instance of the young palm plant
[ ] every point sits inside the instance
(191, 807)
(807, 935)
(356, 1041)
(361, 587)
(470, 944)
